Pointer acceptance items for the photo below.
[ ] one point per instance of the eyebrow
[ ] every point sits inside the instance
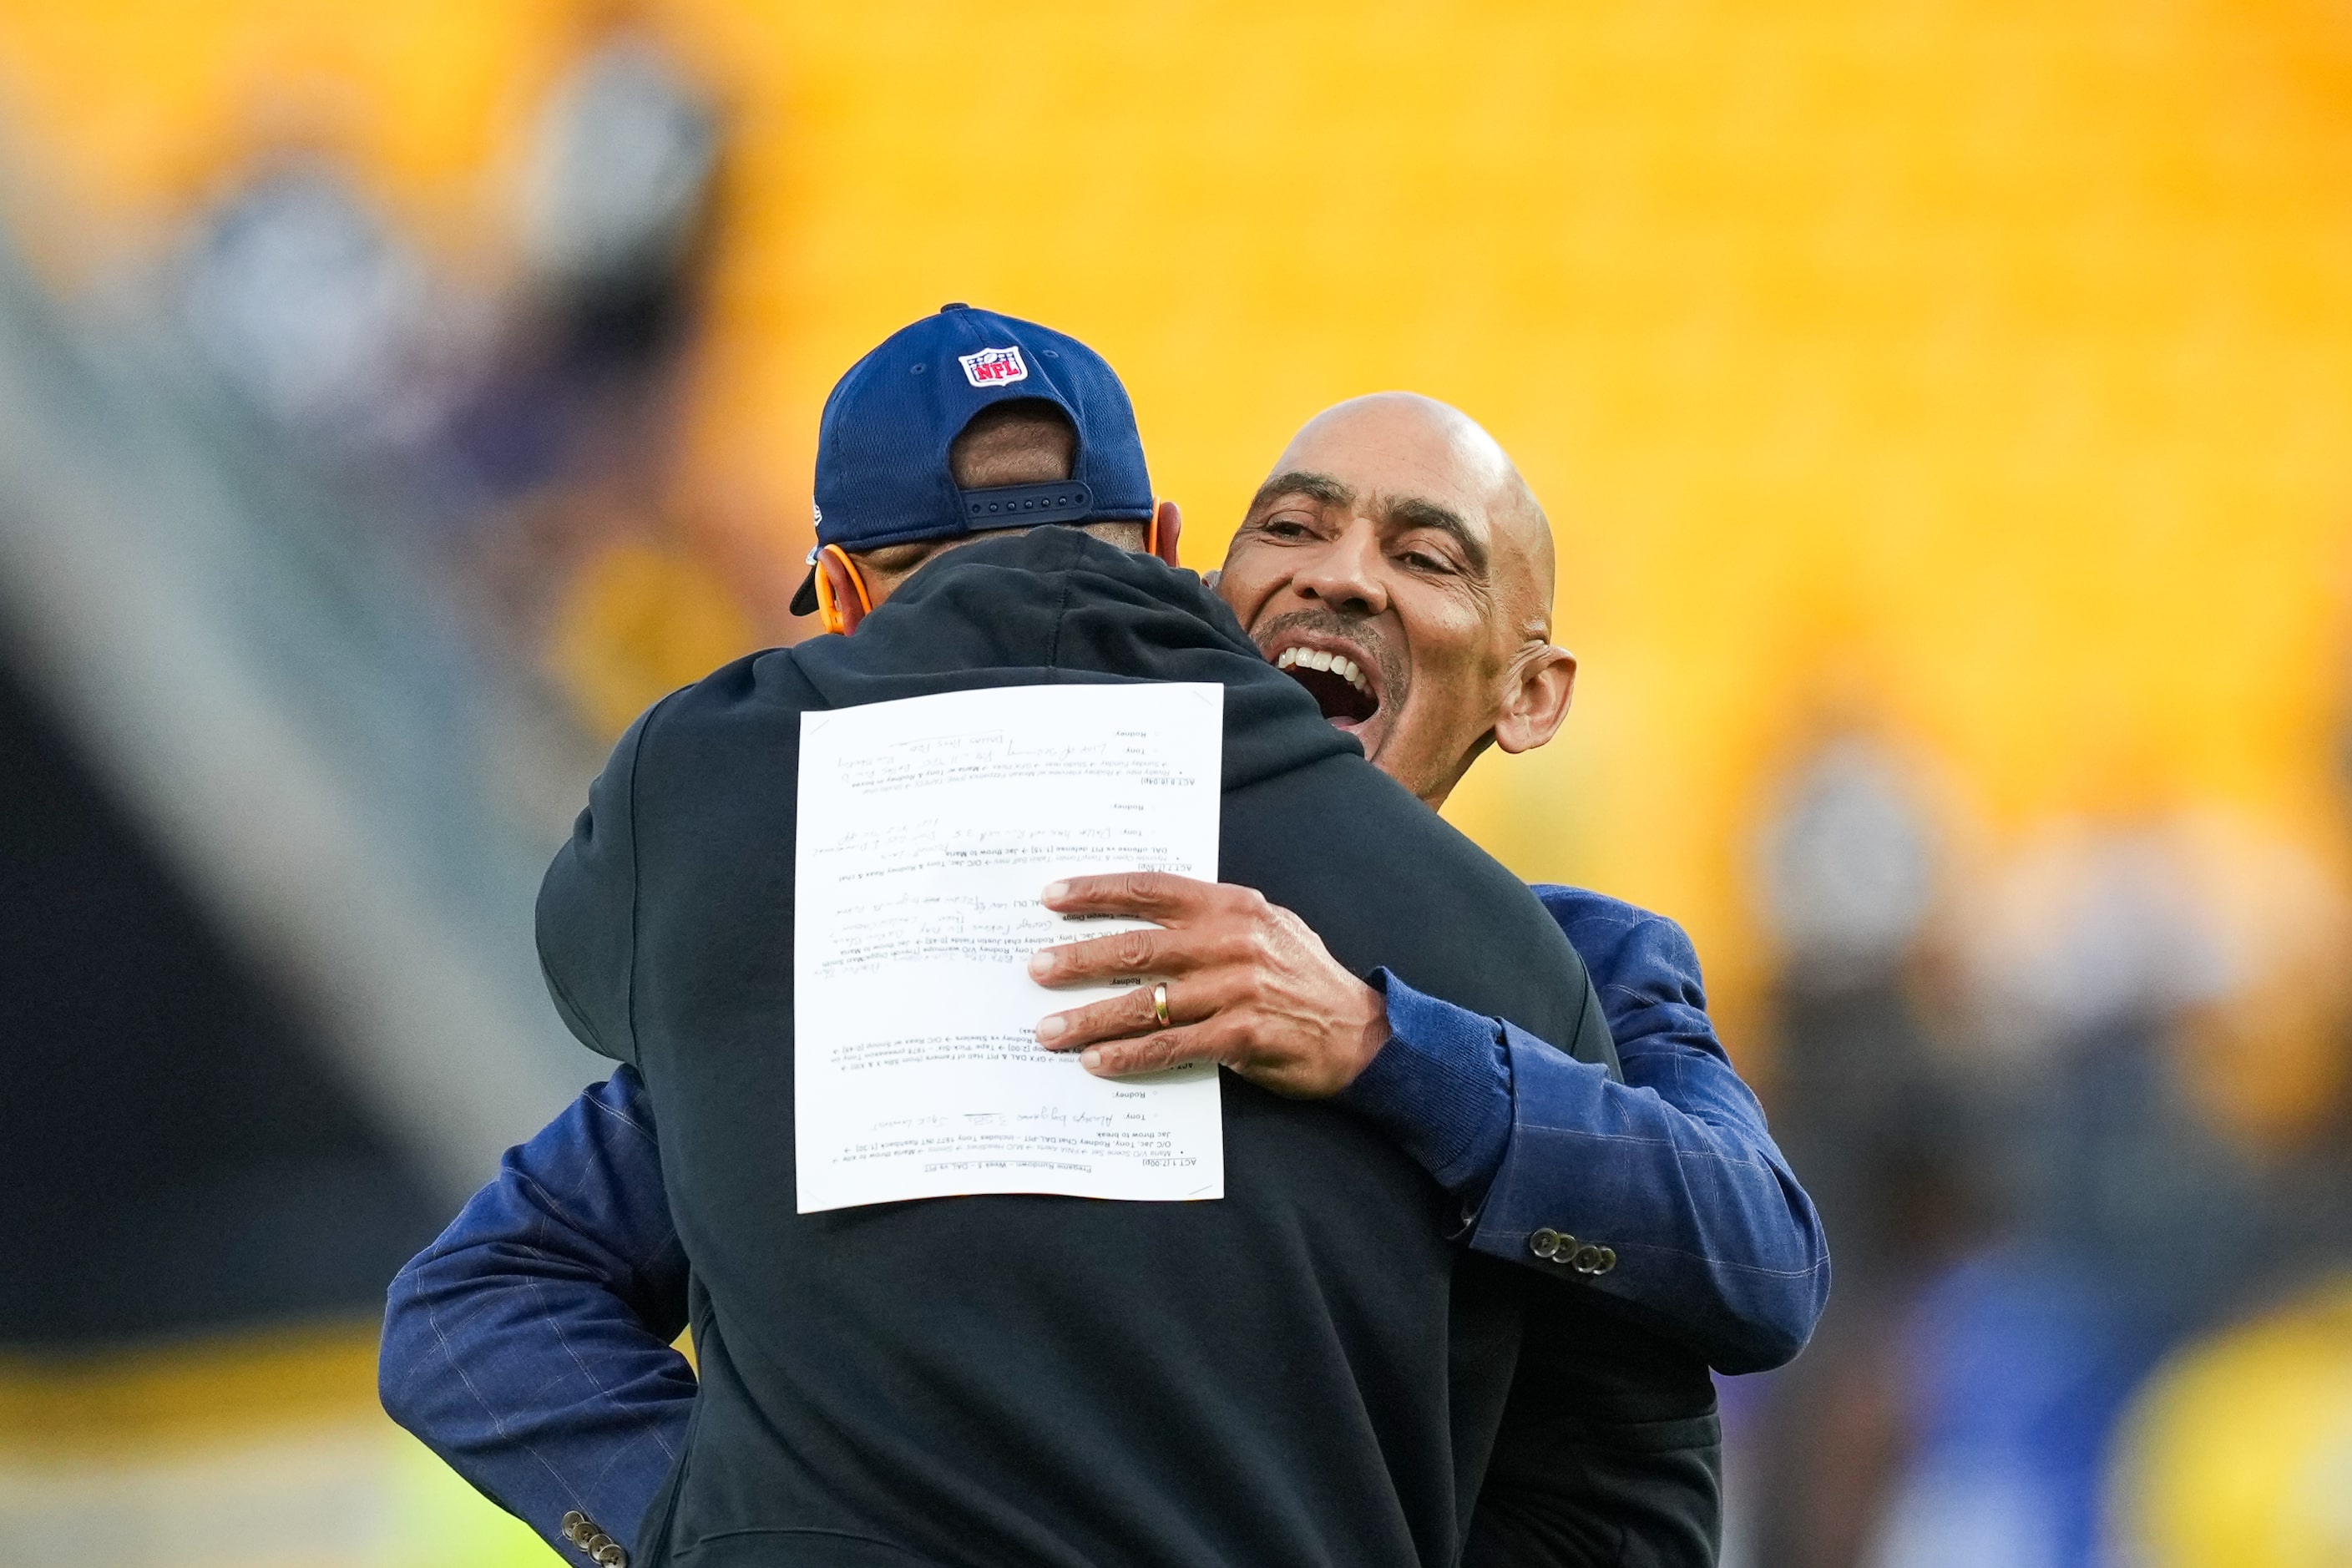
(1412, 512)
(1299, 482)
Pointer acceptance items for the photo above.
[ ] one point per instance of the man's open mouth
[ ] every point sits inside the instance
(1340, 686)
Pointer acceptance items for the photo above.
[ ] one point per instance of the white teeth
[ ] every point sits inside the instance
(1316, 658)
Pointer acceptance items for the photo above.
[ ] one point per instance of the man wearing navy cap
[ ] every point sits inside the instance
(884, 476)
(1021, 460)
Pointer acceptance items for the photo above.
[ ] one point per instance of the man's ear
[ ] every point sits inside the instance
(845, 590)
(1167, 524)
(1534, 708)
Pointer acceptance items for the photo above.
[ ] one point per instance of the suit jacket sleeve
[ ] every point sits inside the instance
(1708, 1237)
(1674, 1170)
(529, 1347)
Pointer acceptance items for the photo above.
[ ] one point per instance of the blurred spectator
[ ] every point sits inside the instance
(1849, 880)
(528, 445)
(1847, 869)
(614, 212)
(1861, 1108)
(619, 191)
(2011, 1375)
(330, 326)
(2130, 1219)
(583, 556)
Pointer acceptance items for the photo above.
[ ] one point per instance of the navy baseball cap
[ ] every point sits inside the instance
(882, 446)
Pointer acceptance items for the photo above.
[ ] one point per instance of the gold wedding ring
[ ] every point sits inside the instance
(1160, 1004)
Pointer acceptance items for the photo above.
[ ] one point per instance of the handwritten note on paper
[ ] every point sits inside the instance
(929, 828)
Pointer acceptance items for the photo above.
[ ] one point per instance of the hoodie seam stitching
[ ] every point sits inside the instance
(1061, 613)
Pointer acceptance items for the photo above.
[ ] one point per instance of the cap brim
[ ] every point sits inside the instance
(804, 600)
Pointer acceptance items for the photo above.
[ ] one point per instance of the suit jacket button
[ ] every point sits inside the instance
(575, 1527)
(1548, 1244)
(1607, 1260)
(1587, 1260)
(610, 1555)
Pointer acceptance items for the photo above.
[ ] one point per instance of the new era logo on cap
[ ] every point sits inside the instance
(993, 367)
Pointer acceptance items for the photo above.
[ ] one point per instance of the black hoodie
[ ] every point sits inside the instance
(1297, 1373)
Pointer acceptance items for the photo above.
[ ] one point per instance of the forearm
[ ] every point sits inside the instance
(529, 1346)
(1679, 1209)
(599, 1439)
(1440, 1089)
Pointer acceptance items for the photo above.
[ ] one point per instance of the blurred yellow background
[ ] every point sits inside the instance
(1978, 377)
(1979, 372)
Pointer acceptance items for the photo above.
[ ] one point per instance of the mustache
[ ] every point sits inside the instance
(1396, 675)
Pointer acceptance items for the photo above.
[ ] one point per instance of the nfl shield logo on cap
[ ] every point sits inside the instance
(993, 367)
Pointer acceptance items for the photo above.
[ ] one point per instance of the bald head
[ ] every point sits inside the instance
(1398, 566)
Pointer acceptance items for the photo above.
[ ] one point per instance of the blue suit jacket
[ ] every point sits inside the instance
(530, 1345)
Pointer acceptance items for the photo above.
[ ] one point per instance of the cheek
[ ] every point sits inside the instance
(1246, 582)
(1449, 646)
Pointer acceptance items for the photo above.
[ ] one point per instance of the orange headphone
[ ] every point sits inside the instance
(828, 612)
(828, 609)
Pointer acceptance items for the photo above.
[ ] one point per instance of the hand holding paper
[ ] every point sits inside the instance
(1251, 986)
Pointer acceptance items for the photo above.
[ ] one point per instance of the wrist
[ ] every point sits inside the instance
(1372, 1029)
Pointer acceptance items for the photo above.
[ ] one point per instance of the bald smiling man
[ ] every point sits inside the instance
(1399, 567)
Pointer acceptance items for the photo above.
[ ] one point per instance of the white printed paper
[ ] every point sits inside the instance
(929, 830)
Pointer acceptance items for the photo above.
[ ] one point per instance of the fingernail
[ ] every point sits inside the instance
(1040, 965)
(1055, 889)
(1092, 1057)
(1052, 1028)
